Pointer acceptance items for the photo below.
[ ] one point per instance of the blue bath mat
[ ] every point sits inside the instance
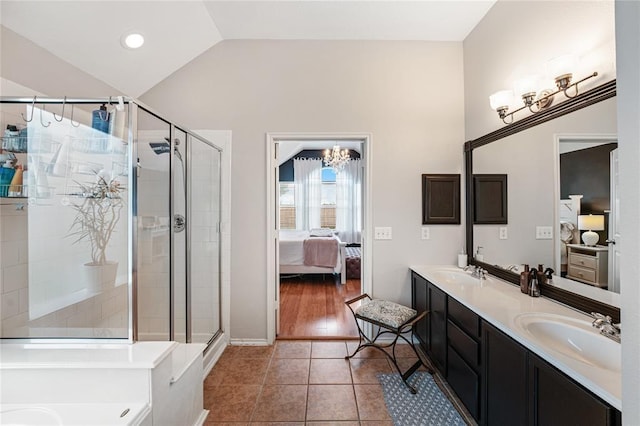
(428, 407)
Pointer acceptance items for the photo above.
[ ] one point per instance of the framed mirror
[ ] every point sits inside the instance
(555, 162)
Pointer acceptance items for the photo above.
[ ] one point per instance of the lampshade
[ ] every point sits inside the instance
(501, 99)
(561, 65)
(592, 222)
(525, 85)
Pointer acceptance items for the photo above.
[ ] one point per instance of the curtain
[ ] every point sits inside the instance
(308, 192)
(349, 202)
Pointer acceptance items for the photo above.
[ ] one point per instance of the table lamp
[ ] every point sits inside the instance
(590, 223)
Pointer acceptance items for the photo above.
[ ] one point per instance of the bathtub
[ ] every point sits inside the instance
(112, 414)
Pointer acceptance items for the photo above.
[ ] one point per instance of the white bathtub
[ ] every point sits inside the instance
(113, 414)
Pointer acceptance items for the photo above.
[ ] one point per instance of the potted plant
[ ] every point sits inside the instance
(96, 219)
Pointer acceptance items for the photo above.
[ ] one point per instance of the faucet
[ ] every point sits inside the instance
(479, 273)
(607, 328)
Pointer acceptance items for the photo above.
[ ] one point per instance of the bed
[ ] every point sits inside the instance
(294, 245)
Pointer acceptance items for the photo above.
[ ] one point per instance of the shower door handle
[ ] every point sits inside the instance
(178, 223)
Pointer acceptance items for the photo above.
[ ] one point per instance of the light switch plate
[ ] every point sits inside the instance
(544, 232)
(503, 233)
(382, 233)
(426, 234)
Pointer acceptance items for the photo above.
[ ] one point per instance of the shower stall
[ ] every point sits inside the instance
(109, 223)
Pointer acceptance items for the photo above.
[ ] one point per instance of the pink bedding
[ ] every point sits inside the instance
(320, 251)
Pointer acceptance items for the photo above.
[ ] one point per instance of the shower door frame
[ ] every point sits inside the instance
(133, 129)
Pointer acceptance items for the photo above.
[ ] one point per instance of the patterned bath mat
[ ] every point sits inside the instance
(428, 407)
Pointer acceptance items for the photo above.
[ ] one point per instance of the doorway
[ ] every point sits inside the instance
(316, 208)
(586, 184)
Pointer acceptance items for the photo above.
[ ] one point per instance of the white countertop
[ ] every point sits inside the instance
(80, 355)
(499, 303)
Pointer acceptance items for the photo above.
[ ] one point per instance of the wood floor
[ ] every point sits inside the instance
(312, 307)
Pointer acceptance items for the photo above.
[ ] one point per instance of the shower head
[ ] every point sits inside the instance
(160, 147)
(165, 147)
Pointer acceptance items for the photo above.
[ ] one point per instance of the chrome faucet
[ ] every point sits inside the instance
(607, 328)
(479, 273)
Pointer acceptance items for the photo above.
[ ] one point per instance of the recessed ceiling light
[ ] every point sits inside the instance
(132, 40)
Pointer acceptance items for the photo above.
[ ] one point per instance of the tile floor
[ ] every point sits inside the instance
(297, 383)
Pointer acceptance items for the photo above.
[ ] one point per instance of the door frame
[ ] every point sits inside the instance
(591, 138)
(273, 280)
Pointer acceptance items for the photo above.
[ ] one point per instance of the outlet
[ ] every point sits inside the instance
(503, 233)
(426, 234)
(382, 233)
(544, 232)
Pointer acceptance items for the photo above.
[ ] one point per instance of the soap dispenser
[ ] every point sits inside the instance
(549, 275)
(534, 288)
(524, 280)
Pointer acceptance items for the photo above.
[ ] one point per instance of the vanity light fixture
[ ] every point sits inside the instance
(132, 40)
(527, 87)
(590, 223)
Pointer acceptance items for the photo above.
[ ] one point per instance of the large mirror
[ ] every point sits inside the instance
(558, 173)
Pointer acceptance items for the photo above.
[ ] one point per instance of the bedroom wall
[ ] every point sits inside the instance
(407, 94)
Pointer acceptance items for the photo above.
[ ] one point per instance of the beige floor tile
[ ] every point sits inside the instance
(331, 403)
(370, 401)
(376, 423)
(231, 403)
(288, 371)
(329, 371)
(289, 349)
(364, 370)
(244, 371)
(365, 353)
(281, 403)
(328, 349)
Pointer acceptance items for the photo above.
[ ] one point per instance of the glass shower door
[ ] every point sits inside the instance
(204, 240)
(154, 308)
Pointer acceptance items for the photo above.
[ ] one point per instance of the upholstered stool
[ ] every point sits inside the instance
(390, 318)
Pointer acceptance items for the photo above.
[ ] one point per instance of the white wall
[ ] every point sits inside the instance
(628, 44)
(407, 94)
(516, 38)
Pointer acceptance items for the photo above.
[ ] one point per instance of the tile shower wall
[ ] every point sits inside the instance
(95, 316)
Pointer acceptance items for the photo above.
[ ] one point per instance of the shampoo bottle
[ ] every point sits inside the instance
(524, 280)
(100, 119)
(15, 187)
(6, 174)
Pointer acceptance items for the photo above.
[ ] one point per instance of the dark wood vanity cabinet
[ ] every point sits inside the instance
(520, 388)
(431, 331)
(557, 400)
(463, 355)
(505, 392)
(498, 380)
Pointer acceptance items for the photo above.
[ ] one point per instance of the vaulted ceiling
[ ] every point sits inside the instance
(87, 33)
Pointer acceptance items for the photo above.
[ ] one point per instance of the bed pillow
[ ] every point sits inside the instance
(321, 232)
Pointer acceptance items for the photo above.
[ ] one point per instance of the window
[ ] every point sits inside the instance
(287, 206)
(328, 202)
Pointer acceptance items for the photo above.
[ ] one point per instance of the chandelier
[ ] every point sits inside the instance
(336, 158)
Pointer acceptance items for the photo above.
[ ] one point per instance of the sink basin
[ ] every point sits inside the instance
(453, 276)
(572, 338)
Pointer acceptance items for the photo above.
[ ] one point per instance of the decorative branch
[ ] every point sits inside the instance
(97, 216)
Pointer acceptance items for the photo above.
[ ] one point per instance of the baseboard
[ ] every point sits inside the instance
(249, 342)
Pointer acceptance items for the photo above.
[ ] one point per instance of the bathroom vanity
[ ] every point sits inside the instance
(509, 357)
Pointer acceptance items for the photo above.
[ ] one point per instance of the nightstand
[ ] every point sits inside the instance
(589, 265)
